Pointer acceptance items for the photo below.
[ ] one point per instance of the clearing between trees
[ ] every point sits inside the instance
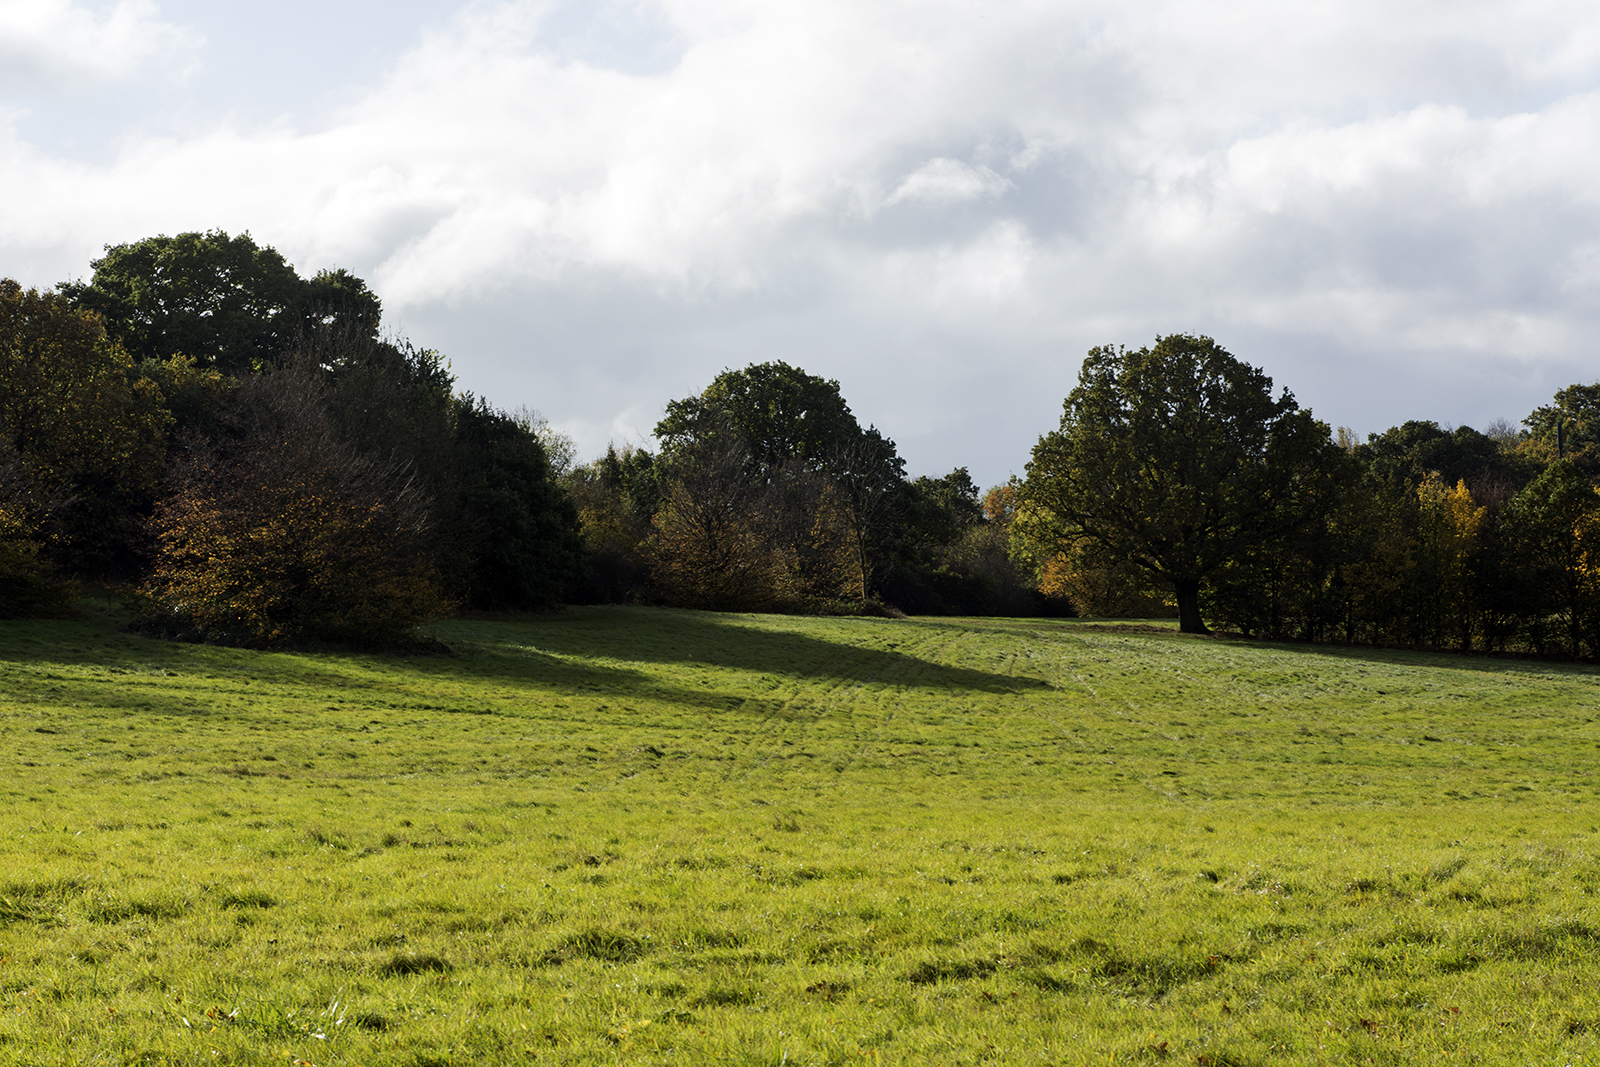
(640, 835)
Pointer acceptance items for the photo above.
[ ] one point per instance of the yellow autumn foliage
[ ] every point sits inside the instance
(1447, 531)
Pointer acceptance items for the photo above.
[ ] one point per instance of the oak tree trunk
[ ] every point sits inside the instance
(1189, 621)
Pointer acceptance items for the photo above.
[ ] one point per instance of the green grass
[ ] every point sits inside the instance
(642, 836)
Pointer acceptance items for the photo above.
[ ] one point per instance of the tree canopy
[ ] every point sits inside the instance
(223, 301)
(1178, 458)
(780, 413)
(1402, 457)
(199, 417)
(1569, 427)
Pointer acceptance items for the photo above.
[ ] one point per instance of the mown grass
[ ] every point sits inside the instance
(630, 835)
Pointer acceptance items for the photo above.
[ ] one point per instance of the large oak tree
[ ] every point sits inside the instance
(1177, 458)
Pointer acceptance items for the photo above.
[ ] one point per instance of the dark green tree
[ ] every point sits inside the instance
(339, 299)
(1177, 458)
(89, 432)
(780, 413)
(868, 475)
(1293, 587)
(1400, 458)
(949, 557)
(28, 583)
(1550, 519)
(1501, 597)
(937, 511)
(223, 301)
(514, 523)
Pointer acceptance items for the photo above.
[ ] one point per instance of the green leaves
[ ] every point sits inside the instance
(781, 413)
(223, 301)
(1178, 459)
(87, 436)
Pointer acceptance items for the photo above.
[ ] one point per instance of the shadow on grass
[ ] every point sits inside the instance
(597, 652)
(1166, 629)
(79, 664)
(704, 639)
(589, 651)
(1461, 661)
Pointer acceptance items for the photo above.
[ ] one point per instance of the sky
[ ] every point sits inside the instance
(594, 208)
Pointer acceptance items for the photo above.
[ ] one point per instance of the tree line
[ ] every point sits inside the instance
(768, 494)
(240, 448)
(244, 452)
(1176, 471)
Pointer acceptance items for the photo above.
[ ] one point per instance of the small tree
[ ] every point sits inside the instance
(1099, 587)
(284, 533)
(710, 546)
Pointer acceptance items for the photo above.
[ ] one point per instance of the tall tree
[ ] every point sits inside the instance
(503, 531)
(88, 432)
(824, 482)
(1177, 458)
(1555, 517)
(867, 474)
(514, 522)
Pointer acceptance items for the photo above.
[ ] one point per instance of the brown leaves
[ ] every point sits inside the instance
(288, 534)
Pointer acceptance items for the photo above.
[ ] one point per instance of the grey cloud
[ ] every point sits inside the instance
(595, 208)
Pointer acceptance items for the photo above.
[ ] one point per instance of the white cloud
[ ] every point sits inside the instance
(949, 181)
(58, 45)
(887, 187)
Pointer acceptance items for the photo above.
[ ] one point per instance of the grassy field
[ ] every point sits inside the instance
(641, 836)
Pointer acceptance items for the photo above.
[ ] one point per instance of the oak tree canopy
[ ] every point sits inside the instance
(1177, 458)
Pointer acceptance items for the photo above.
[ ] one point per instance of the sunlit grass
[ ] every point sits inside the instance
(627, 835)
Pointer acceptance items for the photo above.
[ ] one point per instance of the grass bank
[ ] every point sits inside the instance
(632, 835)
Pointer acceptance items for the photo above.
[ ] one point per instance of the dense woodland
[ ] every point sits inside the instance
(244, 453)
